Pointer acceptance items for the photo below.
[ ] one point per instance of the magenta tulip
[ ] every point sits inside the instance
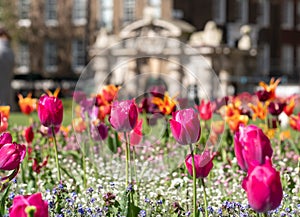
(185, 126)
(205, 110)
(11, 155)
(124, 115)
(50, 111)
(23, 204)
(136, 134)
(5, 138)
(251, 145)
(203, 164)
(263, 187)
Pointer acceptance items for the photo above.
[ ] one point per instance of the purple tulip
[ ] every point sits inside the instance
(11, 155)
(50, 111)
(78, 96)
(263, 95)
(275, 108)
(99, 132)
(263, 187)
(24, 204)
(124, 115)
(251, 145)
(203, 164)
(185, 126)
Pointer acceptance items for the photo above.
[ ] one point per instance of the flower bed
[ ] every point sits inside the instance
(153, 156)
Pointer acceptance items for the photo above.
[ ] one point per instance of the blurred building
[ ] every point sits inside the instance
(58, 38)
(275, 30)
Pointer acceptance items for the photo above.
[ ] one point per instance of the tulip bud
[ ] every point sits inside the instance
(124, 115)
(203, 164)
(185, 126)
(263, 187)
(11, 155)
(251, 145)
(29, 134)
(50, 111)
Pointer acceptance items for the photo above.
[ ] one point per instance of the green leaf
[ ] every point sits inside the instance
(111, 145)
(3, 201)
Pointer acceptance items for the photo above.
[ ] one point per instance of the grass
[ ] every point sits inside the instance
(19, 119)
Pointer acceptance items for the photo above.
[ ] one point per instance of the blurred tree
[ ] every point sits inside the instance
(9, 18)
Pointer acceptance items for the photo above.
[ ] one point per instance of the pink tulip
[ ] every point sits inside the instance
(185, 126)
(136, 134)
(251, 145)
(203, 164)
(124, 115)
(22, 203)
(50, 111)
(205, 110)
(11, 155)
(263, 187)
(5, 138)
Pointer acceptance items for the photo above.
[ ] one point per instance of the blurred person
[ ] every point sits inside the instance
(6, 67)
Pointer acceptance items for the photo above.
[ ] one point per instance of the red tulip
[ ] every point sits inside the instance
(185, 126)
(50, 111)
(124, 115)
(203, 164)
(263, 187)
(205, 110)
(29, 134)
(22, 204)
(136, 134)
(11, 155)
(251, 145)
(3, 123)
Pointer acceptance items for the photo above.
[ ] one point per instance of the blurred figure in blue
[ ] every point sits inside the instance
(6, 67)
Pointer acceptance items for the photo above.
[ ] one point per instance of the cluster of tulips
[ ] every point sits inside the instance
(106, 119)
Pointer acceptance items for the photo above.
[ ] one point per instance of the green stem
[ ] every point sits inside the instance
(204, 197)
(84, 166)
(127, 153)
(194, 184)
(265, 214)
(56, 154)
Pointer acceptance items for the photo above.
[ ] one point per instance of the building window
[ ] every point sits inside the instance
(129, 10)
(24, 9)
(106, 14)
(287, 59)
(50, 56)
(264, 13)
(23, 58)
(156, 6)
(79, 12)
(51, 12)
(219, 11)
(78, 55)
(237, 11)
(287, 14)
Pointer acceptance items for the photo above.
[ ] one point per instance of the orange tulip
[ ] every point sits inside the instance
(27, 104)
(79, 125)
(259, 110)
(166, 105)
(295, 122)
(5, 110)
(271, 87)
(289, 107)
(236, 120)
